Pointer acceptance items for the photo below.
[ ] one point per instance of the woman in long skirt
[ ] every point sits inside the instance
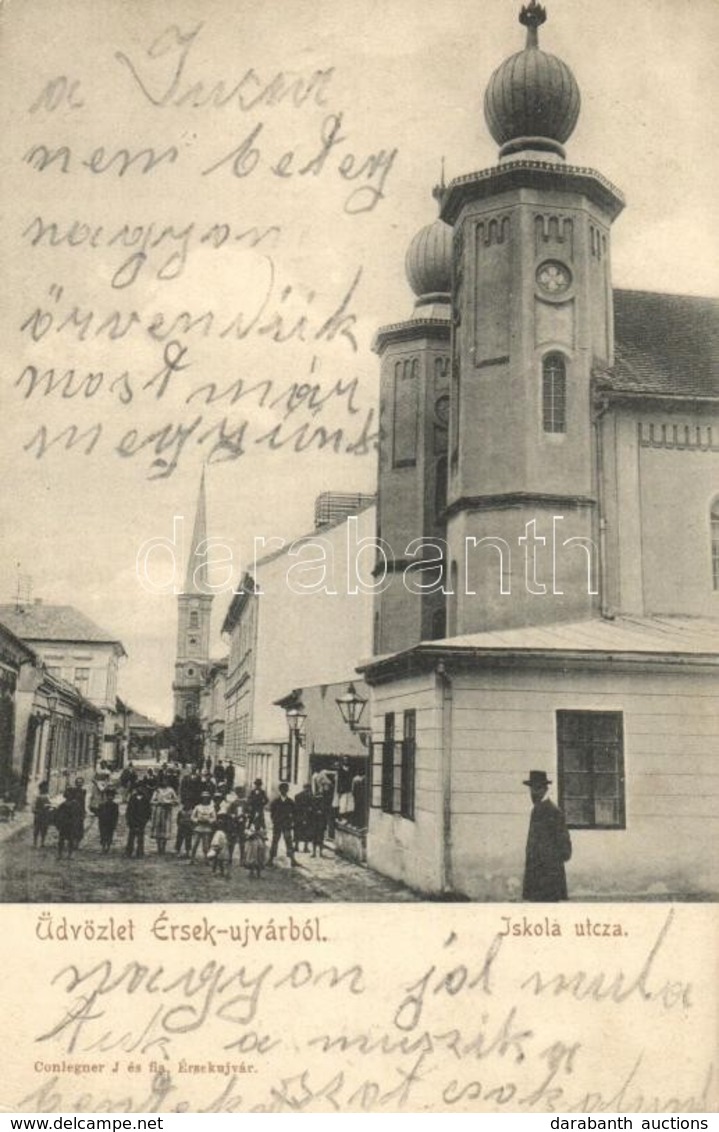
(164, 803)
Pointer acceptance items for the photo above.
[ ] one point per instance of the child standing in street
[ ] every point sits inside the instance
(256, 850)
(204, 817)
(218, 853)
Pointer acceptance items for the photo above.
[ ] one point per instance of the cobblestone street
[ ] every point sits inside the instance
(36, 875)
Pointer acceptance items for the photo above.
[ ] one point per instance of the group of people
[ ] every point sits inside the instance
(198, 812)
(201, 812)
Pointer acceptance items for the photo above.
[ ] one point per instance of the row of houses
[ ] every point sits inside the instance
(294, 632)
(60, 713)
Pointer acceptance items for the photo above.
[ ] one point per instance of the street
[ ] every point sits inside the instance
(37, 876)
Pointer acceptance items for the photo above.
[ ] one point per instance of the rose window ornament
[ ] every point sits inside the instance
(553, 277)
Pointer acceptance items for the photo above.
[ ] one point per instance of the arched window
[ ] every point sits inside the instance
(554, 393)
(194, 619)
(715, 543)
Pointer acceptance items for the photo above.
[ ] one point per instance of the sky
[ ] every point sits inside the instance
(290, 204)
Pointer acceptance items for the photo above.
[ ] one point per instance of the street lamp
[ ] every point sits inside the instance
(295, 719)
(351, 707)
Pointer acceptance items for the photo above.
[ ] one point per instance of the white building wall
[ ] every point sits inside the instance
(306, 638)
(100, 659)
(504, 725)
(661, 478)
(412, 851)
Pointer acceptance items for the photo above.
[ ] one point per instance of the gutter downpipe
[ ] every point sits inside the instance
(447, 695)
(603, 408)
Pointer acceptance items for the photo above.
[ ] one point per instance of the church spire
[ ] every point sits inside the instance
(196, 581)
(194, 614)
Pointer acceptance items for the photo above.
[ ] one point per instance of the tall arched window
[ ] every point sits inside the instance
(194, 619)
(554, 393)
(715, 542)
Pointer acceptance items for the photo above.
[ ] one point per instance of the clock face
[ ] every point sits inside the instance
(553, 277)
(441, 410)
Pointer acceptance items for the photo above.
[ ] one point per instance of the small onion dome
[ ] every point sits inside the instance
(428, 263)
(532, 100)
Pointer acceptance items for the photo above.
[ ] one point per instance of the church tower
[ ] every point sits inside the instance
(531, 318)
(194, 609)
(412, 479)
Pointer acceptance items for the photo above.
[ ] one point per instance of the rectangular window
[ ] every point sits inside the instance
(590, 750)
(376, 760)
(284, 762)
(388, 763)
(393, 768)
(82, 680)
(409, 745)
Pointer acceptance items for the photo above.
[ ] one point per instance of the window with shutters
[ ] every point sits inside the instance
(393, 768)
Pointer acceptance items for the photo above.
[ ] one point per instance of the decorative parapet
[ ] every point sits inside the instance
(526, 173)
(678, 437)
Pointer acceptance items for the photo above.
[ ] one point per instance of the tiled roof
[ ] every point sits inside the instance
(665, 344)
(138, 720)
(40, 622)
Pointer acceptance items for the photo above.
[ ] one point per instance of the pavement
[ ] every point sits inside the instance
(33, 875)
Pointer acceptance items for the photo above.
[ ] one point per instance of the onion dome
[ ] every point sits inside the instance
(428, 263)
(532, 100)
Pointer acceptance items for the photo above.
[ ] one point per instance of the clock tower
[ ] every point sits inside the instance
(531, 318)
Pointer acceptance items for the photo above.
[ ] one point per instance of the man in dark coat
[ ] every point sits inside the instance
(303, 817)
(79, 794)
(548, 845)
(137, 815)
(191, 789)
(67, 819)
(108, 813)
(255, 805)
(282, 812)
